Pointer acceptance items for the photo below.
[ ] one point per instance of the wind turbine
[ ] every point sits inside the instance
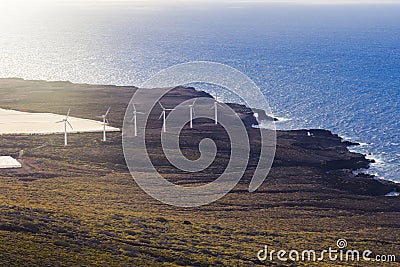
(134, 119)
(65, 121)
(191, 112)
(163, 115)
(216, 104)
(105, 123)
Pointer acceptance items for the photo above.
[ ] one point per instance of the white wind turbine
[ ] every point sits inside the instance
(216, 104)
(105, 123)
(163, 115)
(134, 119)
(65, 121)
(191, 112)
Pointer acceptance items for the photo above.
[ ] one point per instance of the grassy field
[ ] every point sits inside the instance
(79, 205)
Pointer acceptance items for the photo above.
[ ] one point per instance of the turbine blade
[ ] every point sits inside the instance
(107, 122)
(70, 125)
(59, 121)
(140, 112)
(134, 108)
(194, 101)
(108, 110)
(162, 113)
(69, 110)
(161, 105)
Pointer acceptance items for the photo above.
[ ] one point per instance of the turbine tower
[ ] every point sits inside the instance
(105, 123)
(191, 112)
(134, 119)
(163, 115)
(65, 121)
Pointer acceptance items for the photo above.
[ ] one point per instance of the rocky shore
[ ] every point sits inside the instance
(320, 150)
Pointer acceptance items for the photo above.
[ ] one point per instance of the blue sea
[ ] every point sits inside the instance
(319, 66)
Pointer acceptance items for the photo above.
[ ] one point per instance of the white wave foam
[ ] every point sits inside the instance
(364, 144)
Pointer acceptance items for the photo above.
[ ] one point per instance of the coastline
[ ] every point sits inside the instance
(331, 154)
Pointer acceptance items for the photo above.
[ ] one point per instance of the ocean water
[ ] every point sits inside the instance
(331, 67)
